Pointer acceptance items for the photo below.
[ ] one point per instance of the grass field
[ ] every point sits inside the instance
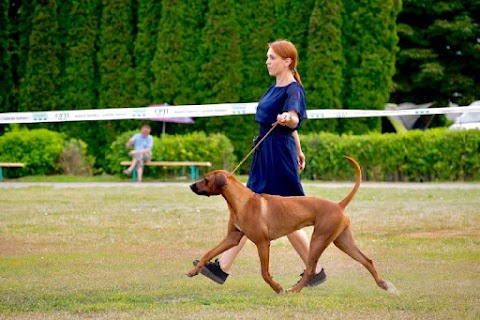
(123, 252)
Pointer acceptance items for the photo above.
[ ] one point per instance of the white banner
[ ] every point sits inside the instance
(205, 110)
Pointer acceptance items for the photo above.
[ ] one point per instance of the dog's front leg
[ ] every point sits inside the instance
(263, 248)
(231, 240)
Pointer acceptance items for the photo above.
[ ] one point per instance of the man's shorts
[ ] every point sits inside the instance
(142, 157)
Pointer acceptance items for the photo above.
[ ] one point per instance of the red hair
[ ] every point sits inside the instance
(286, 49)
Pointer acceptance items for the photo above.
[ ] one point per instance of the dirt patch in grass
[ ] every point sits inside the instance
(442, 233)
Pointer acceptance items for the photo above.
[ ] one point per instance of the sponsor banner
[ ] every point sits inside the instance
(206, 110)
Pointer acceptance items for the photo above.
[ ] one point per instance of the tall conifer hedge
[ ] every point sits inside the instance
(256, 31)
(115, 55)
(149, 13)
(369, 46)
(325, 62)
(40, 84)
(6, 78)
(112, 54)
(175, 63)
(20, 23)
(78, 38)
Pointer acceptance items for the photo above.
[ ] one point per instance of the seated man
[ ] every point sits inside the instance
(142, 144)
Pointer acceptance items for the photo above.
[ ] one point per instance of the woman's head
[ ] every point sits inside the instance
(285, 50)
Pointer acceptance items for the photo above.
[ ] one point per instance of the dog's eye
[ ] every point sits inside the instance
(205, 180)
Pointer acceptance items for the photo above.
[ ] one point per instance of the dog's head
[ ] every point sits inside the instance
(212, 184)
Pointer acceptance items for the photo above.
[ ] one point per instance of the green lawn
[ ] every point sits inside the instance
(123, 252)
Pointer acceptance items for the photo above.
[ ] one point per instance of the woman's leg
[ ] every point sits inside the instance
(217, 271)
(300, 243)
(228, 256)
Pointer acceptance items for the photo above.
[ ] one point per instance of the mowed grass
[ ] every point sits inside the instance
(123, 252)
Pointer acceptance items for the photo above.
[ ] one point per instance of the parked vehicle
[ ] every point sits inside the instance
(467, 120)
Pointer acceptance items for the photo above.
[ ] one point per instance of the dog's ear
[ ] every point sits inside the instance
(220, 181)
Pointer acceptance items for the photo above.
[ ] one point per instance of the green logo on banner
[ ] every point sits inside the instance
(140, 113)
(40, 116)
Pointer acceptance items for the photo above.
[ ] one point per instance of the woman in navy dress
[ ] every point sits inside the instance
(275, 164)
(274, 169)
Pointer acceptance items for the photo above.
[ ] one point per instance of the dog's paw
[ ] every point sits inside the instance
(192, 273)
(391, 288)
(294, 290)
(280, 291)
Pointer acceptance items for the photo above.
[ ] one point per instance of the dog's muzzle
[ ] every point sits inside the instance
(194, 188)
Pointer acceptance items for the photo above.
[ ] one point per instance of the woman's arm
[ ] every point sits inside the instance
(301, 156)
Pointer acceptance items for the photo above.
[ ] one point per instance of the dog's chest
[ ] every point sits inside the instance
(255, 212)
(235, 221)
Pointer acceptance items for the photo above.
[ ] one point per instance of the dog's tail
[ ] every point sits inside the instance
(344, 203)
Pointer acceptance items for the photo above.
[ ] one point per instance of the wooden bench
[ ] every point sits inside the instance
(192, 164)
(10, 165)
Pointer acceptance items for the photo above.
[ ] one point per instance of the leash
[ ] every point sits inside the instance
(255, 147)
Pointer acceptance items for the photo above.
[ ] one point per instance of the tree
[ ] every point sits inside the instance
(324, 62)
(115, 59)
(149, 13)
(220, 78)
(293, 18)
(20, 18)
(40, 85)
(78, 53)
(6, 78)
(258, 29)
(439, 58)
(115, 68)
(220, 56)
(175, 63)
(78, 78)
(370, 43)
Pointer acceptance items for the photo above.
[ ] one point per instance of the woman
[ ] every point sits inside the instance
(275, 164)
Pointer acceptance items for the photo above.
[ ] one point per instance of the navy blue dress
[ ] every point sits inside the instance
(274, 168)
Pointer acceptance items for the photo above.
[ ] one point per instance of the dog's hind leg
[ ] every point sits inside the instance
(323, 234)
(318, 244)
(346, 243)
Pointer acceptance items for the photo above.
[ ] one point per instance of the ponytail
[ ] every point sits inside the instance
(296, 75)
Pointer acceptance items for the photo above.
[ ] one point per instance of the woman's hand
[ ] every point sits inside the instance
(284, 118)
(301, 160)
(289, 119)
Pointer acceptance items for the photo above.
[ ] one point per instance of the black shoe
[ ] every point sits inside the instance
(213, 271)
(317, 279)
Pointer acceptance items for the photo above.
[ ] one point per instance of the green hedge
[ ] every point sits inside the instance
(196, 146)
(433, 155)
(44, 152)
(39, 149)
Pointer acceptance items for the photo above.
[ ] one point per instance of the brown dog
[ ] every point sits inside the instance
(263, 217)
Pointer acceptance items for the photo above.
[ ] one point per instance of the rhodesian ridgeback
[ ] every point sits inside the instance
(263, 217)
